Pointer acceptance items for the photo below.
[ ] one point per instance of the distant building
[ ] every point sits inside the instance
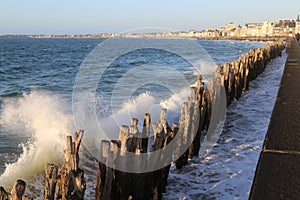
(254, 29)
(281, 28)
(230, 26)
(284, 28)
(229, 30)
(243, 31)
(297, 27)
(267, 28)
(220, 32)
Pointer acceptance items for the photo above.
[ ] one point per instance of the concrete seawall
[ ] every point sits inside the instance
(278, 171)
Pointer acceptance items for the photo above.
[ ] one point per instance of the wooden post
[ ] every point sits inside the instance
(231, 87)
(238, 79)
(123, 137)
(3, 194)
(71, 179)
(195, 123)
(18, 190)
(179, 159)
(51, 172)
(160, 131)
(107, 192)
(123, 178)
(101, 175)
(106, 187)
(146, 132)
(189, 134)
(167, 157)
(134, 122)
(200, 89)
(246, 77)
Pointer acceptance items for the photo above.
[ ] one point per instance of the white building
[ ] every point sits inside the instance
(243, 32)
(267, 28)
(230, 26)
(297, 29)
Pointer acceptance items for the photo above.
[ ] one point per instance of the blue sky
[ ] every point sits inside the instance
(98, 16)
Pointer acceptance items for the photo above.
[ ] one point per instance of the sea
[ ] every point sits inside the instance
(52, 87)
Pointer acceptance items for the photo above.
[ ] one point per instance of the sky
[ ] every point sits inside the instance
(115, 16)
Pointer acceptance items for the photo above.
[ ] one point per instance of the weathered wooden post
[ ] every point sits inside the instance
(71, 179)
(246, 77)
(195, 144)
(208, 110)
(237, 79)
(167, 156)
(231, 85)
(193, 129)
(146, 132)
(148, 176)
(101, 175)
(159, 135)
(180, 159)
(138, 161)
(251, 74)
(106, 187)
(3, 194)
(123, 178)
(200, 98)
(160, 131)
(18, 190)
(107, 190)
(200, 89)
(51, 172)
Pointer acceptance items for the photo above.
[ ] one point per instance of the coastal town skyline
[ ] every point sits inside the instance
(92, 17)
(280, 28)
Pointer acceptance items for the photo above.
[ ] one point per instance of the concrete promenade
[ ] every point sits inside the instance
(278, 171)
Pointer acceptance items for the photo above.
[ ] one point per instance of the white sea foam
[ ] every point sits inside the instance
(40, 115)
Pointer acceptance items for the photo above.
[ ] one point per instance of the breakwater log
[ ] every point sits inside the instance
(69, 182)
(17, 192)
(3, 194)
(51, 172)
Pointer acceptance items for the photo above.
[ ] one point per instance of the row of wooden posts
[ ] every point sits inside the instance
(184, 138)
(194, 120)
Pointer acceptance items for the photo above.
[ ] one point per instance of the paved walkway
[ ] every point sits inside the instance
(278, 171)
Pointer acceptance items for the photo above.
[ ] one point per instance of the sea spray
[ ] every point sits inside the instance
(137, 107)
(41, 115)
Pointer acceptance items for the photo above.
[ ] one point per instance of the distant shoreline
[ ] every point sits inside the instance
(105, 36)
(254, 39)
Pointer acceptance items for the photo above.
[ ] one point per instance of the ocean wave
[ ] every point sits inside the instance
(40, 115)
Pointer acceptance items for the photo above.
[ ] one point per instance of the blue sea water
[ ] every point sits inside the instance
(37, 77)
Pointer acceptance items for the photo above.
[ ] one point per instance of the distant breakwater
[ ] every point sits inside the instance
(196, 113)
